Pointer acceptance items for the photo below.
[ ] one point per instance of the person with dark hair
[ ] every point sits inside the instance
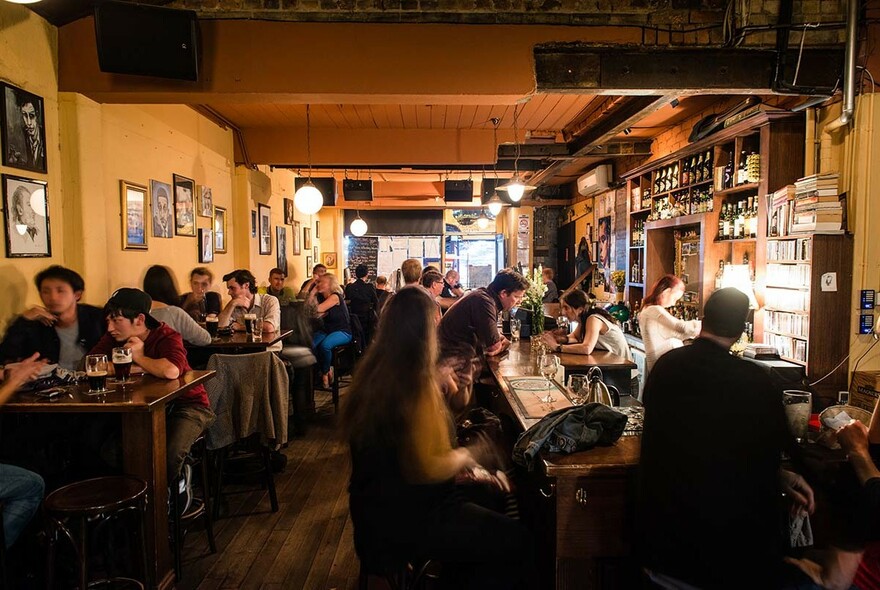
(242, 288)
(159, 285)
(363, 301)
(201, 302)
(432, 281)
(382, 292)
(276, 288)
(596, 329)
(26, 148)
(159, 351)
(710, 471)
(311, 284)
(62, 329)
(661, 331)
(402, 494)
(469, 329)
(552, 293)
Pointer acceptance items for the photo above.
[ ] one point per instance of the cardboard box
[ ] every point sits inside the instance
(865, 389)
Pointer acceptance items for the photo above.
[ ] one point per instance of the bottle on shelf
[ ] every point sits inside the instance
(719, 274)
(753, 167)
(728, 171)
(635, 275)
(707, 166)
(731, 221)
(698, 169)
(675, 176)
(739, 221)
(722, 223)
(742, 171)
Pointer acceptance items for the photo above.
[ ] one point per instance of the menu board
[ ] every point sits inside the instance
(363, 251)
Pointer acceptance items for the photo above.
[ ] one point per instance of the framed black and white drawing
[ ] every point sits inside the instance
(264, 231)
(163, 214)
(206, 201)
(281, 248)
(206, 245)
(220, 230)
(297, 249)
(26, 208)
(134, 215)
(288, 211)
(184, 207)
(23, 130)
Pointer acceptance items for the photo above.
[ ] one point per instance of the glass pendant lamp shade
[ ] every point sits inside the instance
(482, 221)
(495, 206)
(358, 227)
(308, 199)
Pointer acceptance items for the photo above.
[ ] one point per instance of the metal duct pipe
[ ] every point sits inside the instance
(849, 71)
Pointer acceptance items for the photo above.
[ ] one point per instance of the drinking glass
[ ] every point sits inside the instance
(122, 363)
(798, 407)
(576, 384)
(249, 321)
(96, 372)
(514, 329)
(258, 329)
(549, 365)
(563, 325)
(212, 324)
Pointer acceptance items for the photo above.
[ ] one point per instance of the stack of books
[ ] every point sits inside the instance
(760, 351)
(817, 205)
(780, 211)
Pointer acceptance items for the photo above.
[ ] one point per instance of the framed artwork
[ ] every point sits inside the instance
(134, 215)
(595, 248)
(219, 230)
(604, 239)
(308, 265)
(264, 218)
(297, 249)
(317, 230)
(307, 238)
(329, 259)
(23, 130)
(206, 245)
(206, 202)
(315, 253)
(184, 208)
(253, 224)
(288, 211)
(160, 204)
(281, 248)
(26, 208)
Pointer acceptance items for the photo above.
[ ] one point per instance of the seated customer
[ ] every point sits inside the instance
(159, 351)
(62, 329)
(159, 285)
(276, 288)
(596, 329)
(242, 288)
(402, 494)
(552, 293)
(200, 302)
(336, 330)
(309, 285)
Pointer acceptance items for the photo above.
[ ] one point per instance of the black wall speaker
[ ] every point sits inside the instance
(357, 190)
(327, 186)
(147, 40)
(459, 191)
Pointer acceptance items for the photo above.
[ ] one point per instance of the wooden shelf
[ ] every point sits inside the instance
(789, 287)
(787, 334)
(740, 240)
(641, 211)
(787, 311)
(795, 361)
(637, 247)
(788, 261)
(740, 188)
(693, 219)
(640, 285)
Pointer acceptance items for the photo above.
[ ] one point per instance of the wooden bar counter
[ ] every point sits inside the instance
(579, 505)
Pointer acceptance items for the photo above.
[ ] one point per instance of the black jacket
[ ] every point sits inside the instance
(25, 337)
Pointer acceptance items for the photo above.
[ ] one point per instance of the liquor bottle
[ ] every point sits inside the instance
(742, 172)
(731, 220)
(686, 177)
(710, 198)
(728, 171)
(698, 169)
(722, 223)
(751, 218)
(719, 275)
(753, 167)
(738, 221)
(675, 176)
(707, 166)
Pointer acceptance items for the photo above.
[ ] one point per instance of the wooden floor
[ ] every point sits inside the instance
(306, 544)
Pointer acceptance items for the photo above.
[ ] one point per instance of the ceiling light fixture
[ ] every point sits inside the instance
(23, 1)
(627, 131)
(495, 203)
(482, 221)
(308, 199)
(358, 226)
(516, 187)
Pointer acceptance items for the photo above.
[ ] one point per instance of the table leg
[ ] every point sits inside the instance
(143, 440)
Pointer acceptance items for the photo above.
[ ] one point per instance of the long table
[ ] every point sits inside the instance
(141, 405)
(579, 504)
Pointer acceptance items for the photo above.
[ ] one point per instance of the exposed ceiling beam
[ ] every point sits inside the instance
(538, 150)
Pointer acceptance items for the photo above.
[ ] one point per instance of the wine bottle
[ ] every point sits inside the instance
(722, 222)
(719, 275)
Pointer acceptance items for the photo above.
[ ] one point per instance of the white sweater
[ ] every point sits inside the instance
(662, 332)
(182, 323)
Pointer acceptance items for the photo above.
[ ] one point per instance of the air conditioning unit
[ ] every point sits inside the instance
(594, 181)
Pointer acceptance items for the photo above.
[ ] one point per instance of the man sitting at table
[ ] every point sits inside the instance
(452, 289)
(242, 288)
(276, 288)
(200, 301)
(159, 351)
(311, 284)
(62, 329)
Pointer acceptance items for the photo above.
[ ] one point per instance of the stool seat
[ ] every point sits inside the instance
(95, 496)
(299, 357)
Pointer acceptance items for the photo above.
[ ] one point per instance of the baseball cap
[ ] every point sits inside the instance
(136, 301)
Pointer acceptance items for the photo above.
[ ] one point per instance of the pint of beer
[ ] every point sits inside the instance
(122, 363)
(96, 372)
(249, 320)
(212, 323)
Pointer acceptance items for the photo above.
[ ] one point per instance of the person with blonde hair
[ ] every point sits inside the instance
(401, 493)
(329, 301)
(411, 269)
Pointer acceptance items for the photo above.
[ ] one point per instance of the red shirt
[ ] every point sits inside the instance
(162, 343)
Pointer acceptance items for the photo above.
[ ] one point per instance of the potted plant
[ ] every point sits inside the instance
(618, 278)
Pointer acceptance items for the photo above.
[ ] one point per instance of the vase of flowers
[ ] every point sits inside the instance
(533, 299)
(618, 279)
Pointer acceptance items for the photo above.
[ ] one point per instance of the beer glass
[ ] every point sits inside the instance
(514, 329)
(249, 321)
(258, 328)
(122, 363)
(212, 324)
(798, 407)
(96, 372)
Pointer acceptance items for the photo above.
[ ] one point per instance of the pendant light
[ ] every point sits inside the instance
(482, 220)
(495, 203)
(308, 199)
(517, 187)
(358, 226)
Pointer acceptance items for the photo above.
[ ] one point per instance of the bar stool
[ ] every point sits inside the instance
(201, 508)
(97, 500)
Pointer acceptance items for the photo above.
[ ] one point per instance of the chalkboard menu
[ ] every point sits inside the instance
(363, 251)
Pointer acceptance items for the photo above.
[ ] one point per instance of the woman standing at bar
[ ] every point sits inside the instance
(662, 331)
(401, 493)
(597, 329)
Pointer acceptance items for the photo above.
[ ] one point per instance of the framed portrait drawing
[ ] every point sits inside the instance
(206, 202)
(308, 265)
(26, 209)
(253, 224)
(307, 238)
(288, 211)
(220, 230)
(315, 253)
(206, 245)
(604, 239)
(264, 229)
(297, 245)
(184, 207)
(23, 130)
(160, 205)
(134, 215)
(329, 259)
(281, 248)
(317, 229)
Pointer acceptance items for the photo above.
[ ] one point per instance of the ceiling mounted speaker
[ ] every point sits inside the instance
(458, 191)
(357, 190)
(327, 186)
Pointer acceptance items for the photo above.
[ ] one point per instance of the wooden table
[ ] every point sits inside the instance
(240, 342)
(141, 405)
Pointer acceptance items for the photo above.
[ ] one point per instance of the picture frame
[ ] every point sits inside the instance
(134, 207)
(206, 245)
(26, 213)
(253, 223)
(288, 211)
(329, 259)
(281, 248)
(297, 244)
(307, 238)
(317, 230)
(206, 202)
(184, 207)
(308, 265)
(219, 230)
(315, 253)
(264, 228)
(162, 209)
(604, 238)
(23, 129)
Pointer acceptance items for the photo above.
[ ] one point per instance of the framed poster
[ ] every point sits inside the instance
(604, 239)
(329, 259)
(317, 230)
(23, 130)
(308, 265)
(206, 245)
(288, 211)
(220, 230)
(315, 253)
(297, 249)
(281, 248)
(206, 202)
(253, 224)
(160, 204)
(134, 215)
(26, 208)
(307, 238)
(264, 230)
(184, 208)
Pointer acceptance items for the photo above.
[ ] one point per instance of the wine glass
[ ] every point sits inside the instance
(549, 367)
(563, 325)
(576, 384)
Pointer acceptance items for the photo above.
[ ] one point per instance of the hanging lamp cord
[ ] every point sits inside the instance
(516, 140)
(309, 138)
